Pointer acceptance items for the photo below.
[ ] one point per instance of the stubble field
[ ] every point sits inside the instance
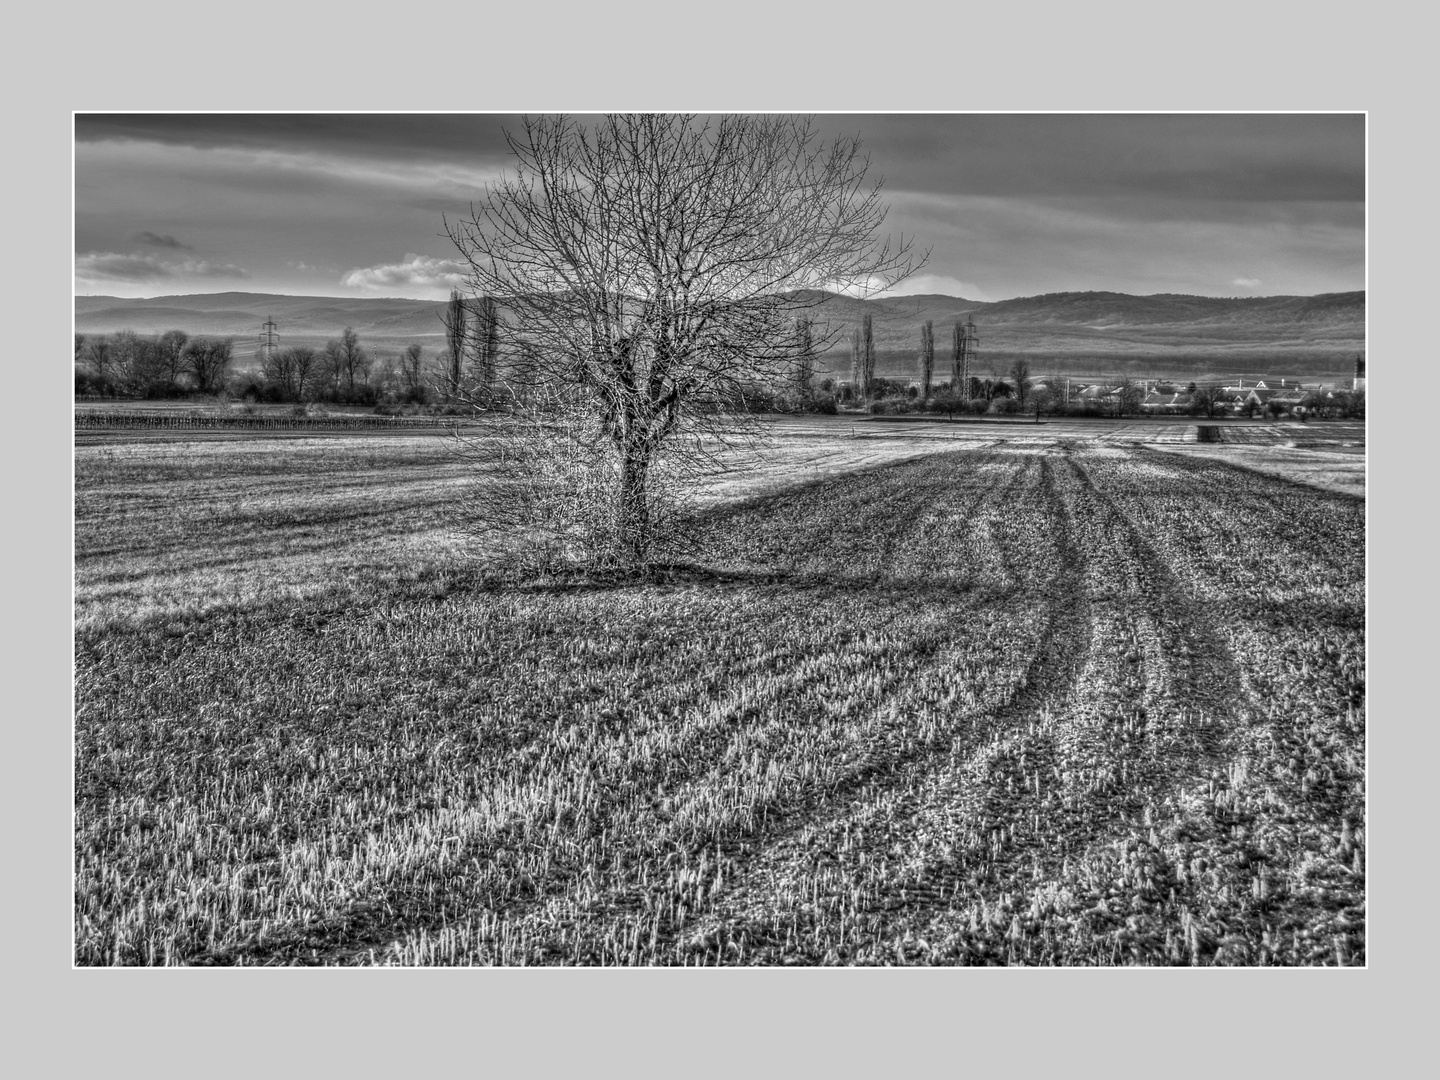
(1003, 699)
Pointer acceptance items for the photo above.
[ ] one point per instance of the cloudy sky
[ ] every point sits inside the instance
(1009, 204)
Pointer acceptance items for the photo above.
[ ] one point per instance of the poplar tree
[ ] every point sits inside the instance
(927, 358)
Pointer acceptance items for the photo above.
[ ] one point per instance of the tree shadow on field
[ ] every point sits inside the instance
(830, 533)
(872, 586)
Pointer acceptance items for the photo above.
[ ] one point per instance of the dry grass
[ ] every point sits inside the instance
(1031, 704)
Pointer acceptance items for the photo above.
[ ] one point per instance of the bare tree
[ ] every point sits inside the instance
(149, 370)
(1128, 396)
(97, 352)
(1020, 373)
(927, 358)
(383, 373)
(544, 497)
(485, 347)
(652, 262)
(170, 354)
(278, 371)
(456, 320)
(332, 367)
(857, 363)
(208, 359)
(79, 347)
(1045, 401)
(293, 370)
(354, 363)
(126, 360)
(805, 356)
(867, 355)
(304, 370)
(412, 367)
(138, 364)
(1203, 401)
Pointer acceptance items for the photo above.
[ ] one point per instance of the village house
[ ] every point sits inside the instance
(1165, 404)
(1099, 394)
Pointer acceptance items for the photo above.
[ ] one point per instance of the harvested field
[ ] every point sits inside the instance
(1338, 469)
(941, 701)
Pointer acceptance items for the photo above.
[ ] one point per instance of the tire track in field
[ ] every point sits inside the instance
(1070, 728)
(1125, 742)
(801, 530)
(759, 886)
(698, 753)
(688, 766)
(1294, 512)
(1287, 809)
(699, 773)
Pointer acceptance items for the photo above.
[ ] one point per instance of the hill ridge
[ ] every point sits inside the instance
(1176, 330)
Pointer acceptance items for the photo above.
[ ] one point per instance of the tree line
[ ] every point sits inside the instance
(1018, 391)
(172, 364)
(959, 391)
(344, 371)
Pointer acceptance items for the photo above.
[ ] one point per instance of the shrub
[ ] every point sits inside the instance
(945, 402)
(761, 399)
(165, 391)
(886, 388)
(889, 407)
(88, 385)
(360, 394)
(823, 403)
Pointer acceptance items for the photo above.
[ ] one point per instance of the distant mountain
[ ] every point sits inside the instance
(1116, 319)
(241, 314)
(1164, 333)
(1056, 331)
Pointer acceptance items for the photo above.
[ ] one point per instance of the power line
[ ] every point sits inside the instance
(269, 340)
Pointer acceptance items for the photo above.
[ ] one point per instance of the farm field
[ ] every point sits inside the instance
(1336, 469)
(989, 697)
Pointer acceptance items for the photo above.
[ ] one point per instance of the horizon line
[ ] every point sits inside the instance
(903, 296)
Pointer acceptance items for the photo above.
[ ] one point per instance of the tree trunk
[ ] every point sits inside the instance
(633, 511)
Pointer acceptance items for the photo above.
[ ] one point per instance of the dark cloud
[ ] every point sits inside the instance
(373, 135)
(1011, 204)
(157, 240)
(1311, 157)
(114, 266)
(1270, 156)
